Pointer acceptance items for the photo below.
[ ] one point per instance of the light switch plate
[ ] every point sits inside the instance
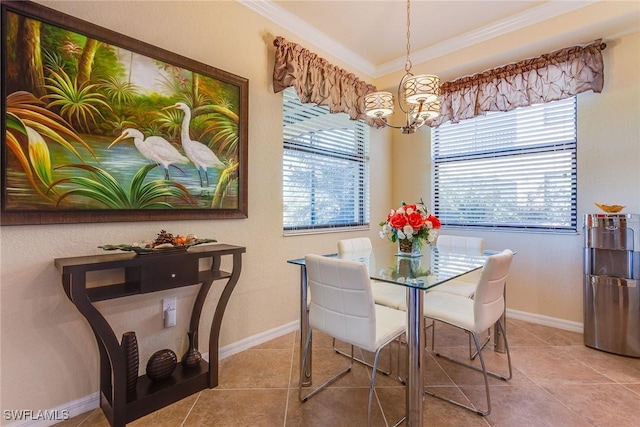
(169, 311)
(168, 303)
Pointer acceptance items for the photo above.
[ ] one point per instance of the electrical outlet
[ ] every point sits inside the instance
(169, 311)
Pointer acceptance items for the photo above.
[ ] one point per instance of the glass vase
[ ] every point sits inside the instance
(408, 247)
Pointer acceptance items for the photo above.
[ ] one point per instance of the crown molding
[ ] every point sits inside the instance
(524, 19)
(297, 26)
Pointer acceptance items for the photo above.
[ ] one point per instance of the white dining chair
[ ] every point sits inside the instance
(342, 307)
(451, 243)
(464, 285)
(357, 244)
(474, 316)
(386, 294)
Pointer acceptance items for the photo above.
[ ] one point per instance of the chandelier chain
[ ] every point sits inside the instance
(417, 95)
(407, 66)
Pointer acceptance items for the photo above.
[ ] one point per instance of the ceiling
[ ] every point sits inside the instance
(371, 35)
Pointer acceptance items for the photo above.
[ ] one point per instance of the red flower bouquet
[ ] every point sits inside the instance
(410, 222)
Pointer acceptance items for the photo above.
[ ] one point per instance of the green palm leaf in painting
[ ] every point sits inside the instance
(119, 91)
(24, 111)
(14, 123)
(39, 156)
(227, 178)
(26, 108)
(223, 127)
(147, 196)
(105, 189)
(78, 104)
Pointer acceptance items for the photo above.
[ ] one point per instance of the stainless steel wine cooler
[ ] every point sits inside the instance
(612, 283)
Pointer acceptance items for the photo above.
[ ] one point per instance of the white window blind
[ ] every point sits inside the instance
(325, 168)
(513, 170)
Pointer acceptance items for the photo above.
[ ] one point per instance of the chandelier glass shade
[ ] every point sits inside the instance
(421, 89)
(418, 96)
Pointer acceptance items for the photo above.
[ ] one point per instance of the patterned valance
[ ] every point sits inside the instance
(549, 77)
(318, 81)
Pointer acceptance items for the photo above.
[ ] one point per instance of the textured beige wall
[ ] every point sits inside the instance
(48, 354)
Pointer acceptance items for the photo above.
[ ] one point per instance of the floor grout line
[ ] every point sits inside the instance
(191, 408)
(291, 368)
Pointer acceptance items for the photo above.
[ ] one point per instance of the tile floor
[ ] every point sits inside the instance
(557, 381)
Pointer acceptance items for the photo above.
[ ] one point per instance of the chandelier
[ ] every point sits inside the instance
(417, 95)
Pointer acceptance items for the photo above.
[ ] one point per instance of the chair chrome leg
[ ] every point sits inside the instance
(328, 382)
(371, 386)
(373, 377)
(433, 336)
(374, 372)
(472, 355)
(364, 362)
(506, 347)
(483, 369)
(484, 373)
(486, 383)
(425, 332)
(493, 374)
(373, 381)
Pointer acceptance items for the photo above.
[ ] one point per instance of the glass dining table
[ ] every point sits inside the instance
(416, 274)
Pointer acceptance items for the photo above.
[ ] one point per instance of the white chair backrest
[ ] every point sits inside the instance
(359, 244)
(449, 243)
(358, 249)
(341, 299)
(488, 301)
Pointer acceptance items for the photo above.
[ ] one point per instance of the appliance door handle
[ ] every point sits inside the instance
(612, 281)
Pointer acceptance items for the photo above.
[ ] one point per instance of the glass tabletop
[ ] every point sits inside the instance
(430, 269)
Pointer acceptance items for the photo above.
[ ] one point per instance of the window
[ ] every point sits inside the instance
(511, 171)
(325, 171)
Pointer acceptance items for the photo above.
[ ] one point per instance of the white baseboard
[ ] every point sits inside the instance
(53, 416)
(92, 401)
(247, 343)
(540, 319)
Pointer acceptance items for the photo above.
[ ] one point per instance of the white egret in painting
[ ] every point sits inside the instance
(154, 148)
(200, 154)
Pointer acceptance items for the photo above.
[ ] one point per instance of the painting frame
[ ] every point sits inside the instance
(23, 159)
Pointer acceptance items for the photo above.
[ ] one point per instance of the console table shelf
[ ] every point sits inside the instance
(145, 274)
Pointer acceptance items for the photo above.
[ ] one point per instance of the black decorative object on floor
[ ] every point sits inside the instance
(161, 364)
(192, 357)
(129, 346)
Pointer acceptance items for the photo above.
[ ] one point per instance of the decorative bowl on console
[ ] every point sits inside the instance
(163, 243)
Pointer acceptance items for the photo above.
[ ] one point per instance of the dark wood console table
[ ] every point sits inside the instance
(144, 274)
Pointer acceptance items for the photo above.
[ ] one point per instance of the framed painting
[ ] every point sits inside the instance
(101, 127)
